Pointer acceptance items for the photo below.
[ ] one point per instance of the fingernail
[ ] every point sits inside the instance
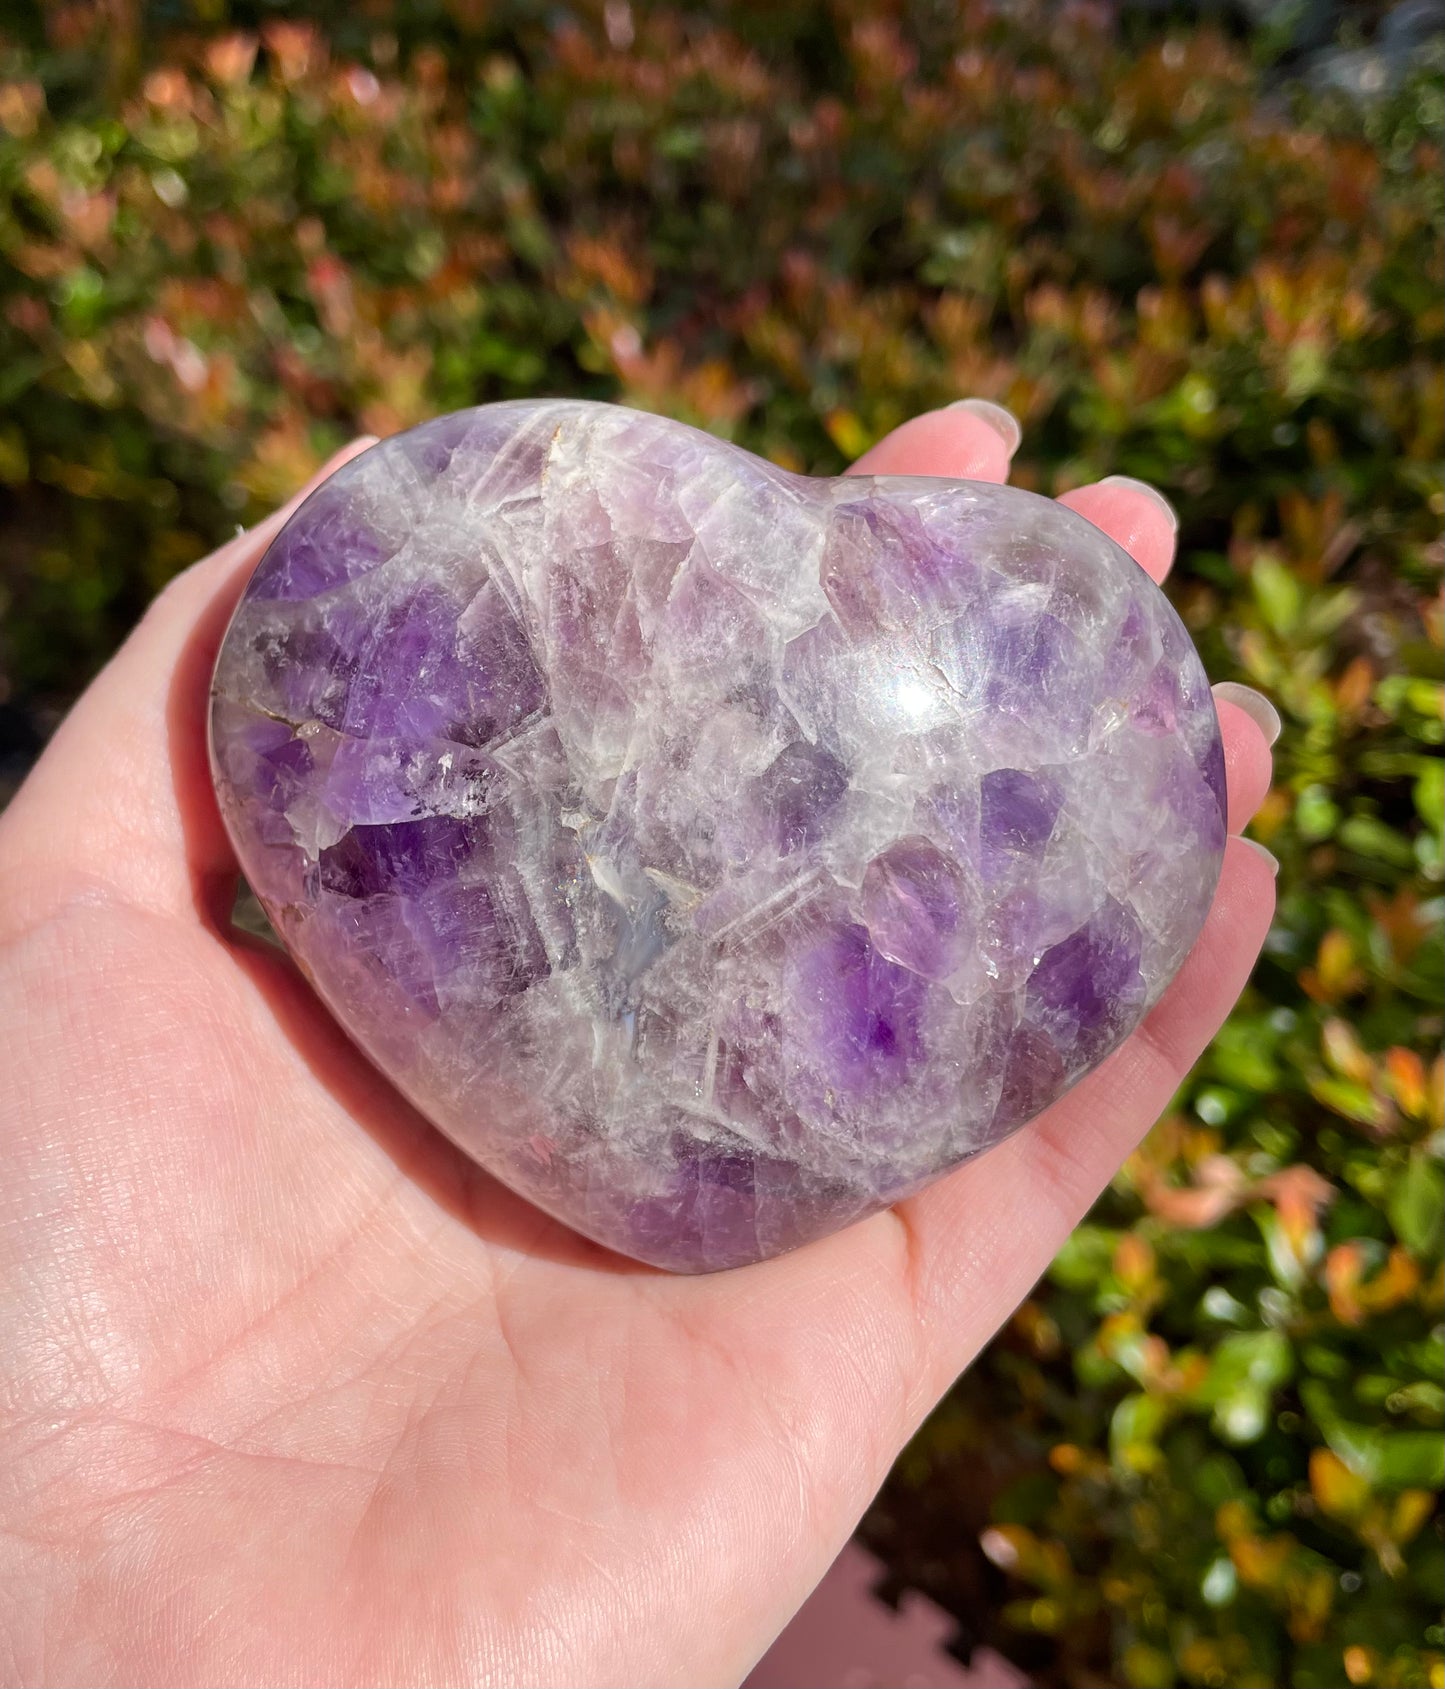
(1003, 422)
(1144, 490)
(1268, 855)
(1254, 704)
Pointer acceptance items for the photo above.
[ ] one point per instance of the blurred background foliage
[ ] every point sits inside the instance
(1202, 247)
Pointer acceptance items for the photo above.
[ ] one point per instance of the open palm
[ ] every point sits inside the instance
(290, 1392)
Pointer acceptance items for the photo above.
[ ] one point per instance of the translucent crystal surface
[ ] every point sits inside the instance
(714, 853)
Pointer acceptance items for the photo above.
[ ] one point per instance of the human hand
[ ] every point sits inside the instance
(291, 1392)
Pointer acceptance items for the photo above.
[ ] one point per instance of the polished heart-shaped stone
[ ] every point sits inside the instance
(715, 853)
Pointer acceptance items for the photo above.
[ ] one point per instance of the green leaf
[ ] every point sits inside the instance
(1245, 1370)
(1263, 1359)
(1134, 1430)
(1416, 1208)
(1278, 593)
(1390, 1459)
(1411, 1459)
(1371, 837)
(1085, 1258)
(1316, 814)
(1345, 1097)
(1241, 1416)
(1430, 795)
(1423, 1398)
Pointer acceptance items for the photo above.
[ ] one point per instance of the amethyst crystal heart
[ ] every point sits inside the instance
(716, 854)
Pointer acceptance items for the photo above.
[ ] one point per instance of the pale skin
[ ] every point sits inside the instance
(290, 1392)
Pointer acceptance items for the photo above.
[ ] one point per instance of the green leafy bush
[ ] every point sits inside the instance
(1209, 1449)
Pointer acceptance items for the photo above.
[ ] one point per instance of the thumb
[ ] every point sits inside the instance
(121, 799)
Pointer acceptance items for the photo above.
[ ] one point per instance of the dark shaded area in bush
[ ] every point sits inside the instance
(1208, 1450)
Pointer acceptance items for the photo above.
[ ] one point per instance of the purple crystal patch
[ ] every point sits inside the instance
(715, 854)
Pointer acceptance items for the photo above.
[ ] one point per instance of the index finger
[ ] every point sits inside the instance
(973, 440)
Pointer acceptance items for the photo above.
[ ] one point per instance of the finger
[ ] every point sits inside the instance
(1135, 515)
(1248, 764)
(122, 796)
(977, 1241)
(974, 440)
